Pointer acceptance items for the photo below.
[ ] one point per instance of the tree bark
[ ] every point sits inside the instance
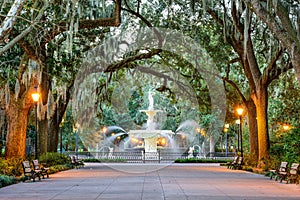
(42, 136)
(43, 123)
(17, 115)
(251, 108)
(261, 102)
(53, 133)
(55, 121)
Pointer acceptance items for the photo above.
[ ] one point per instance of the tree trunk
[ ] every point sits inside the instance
(212, 145)
(43, 123)
(261, 102)
(17, 115)
(53, 133)
(253, 129)
(42, 136)
(296, 64)
(56, 119)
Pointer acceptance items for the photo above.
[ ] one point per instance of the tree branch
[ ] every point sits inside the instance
(267, 75)
(160, 40)
(88, 24)
(26, 31)
(119, 65)
(10, 19)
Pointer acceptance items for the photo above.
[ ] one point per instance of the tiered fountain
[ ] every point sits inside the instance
(150, 135)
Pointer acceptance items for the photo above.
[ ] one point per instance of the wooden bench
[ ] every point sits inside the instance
(232, 163)
(30, 173)
(77, 163)
(281, 172)
(292, 175)
(239, 163)
(44, 171)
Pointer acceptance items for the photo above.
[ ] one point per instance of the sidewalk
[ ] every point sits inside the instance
(171, 182)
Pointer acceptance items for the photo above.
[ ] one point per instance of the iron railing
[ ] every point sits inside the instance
(141, 156)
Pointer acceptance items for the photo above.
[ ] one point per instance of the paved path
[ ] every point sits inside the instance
(172, 182)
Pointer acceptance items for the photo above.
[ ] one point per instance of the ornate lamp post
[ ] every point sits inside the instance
(238, 134)
(226, 128)
(36, 96)
(240, 113)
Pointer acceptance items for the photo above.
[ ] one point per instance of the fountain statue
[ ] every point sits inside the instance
(151, 135)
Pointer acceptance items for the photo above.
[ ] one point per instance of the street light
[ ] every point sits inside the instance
(286, 127)
(240, 113)
(36, 96)
(238, 122)
(226, 128)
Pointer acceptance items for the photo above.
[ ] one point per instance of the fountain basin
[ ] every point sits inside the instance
(149, 133)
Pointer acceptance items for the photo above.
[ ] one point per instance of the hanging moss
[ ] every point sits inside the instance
(17, 89)
(7, 95)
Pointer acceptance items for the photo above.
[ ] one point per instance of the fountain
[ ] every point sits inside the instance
(151, 143)
(150, 136)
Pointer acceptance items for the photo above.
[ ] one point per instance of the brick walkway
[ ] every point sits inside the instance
(153, 182)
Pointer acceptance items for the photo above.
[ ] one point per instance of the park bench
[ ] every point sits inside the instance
(238, 164)
(232, 163)
(77, 163)
(292, 175)
(30, 173)
(281, 172)
(44, 171)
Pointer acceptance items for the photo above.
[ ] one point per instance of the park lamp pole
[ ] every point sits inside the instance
(226, 128)
(238, 134)
(36, 96)
(240, 113)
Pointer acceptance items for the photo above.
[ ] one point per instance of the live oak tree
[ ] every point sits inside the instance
(282, 19)
(260, 67)
(55, 24)
(240, 32)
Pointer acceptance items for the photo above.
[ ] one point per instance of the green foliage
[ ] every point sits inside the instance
(53, 158)
(291, 146)
(284, 101)
(6, 180)
(58, 168)
(197, 160)
(11, 167)
(68, 133)
(286, 146)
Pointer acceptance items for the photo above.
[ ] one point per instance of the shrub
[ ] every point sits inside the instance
(6, 180)
(53, 158)
(57, 168)
(11, 166)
